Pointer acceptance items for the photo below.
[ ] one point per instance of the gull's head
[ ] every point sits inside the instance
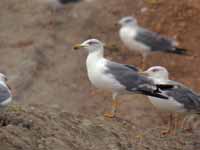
(157, 72)
(90, 45)
(3, 77)
(126, 21)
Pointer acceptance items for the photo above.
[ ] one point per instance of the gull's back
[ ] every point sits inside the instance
(127, 76)
(189, 100)
(154, 41)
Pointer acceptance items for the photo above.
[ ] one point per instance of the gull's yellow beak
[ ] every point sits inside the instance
(78, 46)
(143, 73)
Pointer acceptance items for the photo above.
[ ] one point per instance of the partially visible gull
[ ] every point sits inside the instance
(145, 41)
(180, 98)
(56, 6)
(115, 77)
(5, 92)
(59, 4)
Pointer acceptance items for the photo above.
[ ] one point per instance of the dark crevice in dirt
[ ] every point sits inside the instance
(11, 119)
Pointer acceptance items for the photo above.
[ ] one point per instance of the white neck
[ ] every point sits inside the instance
(95, 55)
(131, 25)
(93, 58)
(160, 81)
(127, 31)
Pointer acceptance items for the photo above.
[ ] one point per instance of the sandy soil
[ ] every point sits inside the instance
(44, 70)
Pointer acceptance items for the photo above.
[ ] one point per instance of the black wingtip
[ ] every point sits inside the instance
(159, 96)
(68, 1)
(157, 93)
(165, 86)
(154, 94)
(179, 51)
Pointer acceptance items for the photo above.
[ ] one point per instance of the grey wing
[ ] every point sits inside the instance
(128, 77)
(154, 41)
(4, 93)
(185, 96)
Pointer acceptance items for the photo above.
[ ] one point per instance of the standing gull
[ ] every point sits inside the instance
(115, 77)
(144, 41)
(5, 93)
(180, 98)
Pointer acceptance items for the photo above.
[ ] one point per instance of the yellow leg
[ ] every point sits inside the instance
(185, 124)
(170, 126)
(143, 62)
(143, 65)
(111, 114)
(176, 124)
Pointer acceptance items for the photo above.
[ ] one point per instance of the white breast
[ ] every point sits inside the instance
(96, 73)
(127, 35)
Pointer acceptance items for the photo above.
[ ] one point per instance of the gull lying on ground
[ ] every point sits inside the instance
(144, 41)
(5, 92)
(180, 98)
(115, 77)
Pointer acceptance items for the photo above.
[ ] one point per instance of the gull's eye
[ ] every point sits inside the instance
(155, 70)
(91, 43)
(128, 20)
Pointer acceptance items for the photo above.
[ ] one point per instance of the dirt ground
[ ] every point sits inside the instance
(46, 73)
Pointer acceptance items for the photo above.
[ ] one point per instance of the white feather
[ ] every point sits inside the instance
(127, 34)
(96, 67)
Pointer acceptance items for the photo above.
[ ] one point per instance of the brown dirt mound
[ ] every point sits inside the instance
(37, 127)
(40, 127)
